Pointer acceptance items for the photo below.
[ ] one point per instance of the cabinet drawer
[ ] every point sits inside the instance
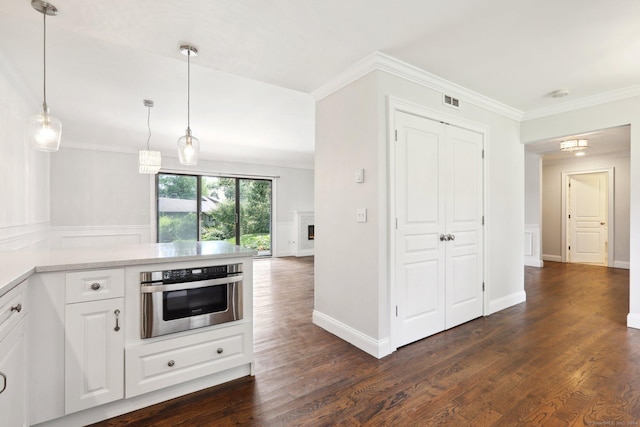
(94, 285)
(164, 363)
(12, 308)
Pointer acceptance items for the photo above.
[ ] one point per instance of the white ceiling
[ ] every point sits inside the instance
(259, 61)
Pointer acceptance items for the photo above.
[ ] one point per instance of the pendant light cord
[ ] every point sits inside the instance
(44, 60)
(148, 126)
(189, 89)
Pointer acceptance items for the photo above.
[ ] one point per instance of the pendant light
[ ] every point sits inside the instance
(149, 161)
(188, 145)
(44, 130)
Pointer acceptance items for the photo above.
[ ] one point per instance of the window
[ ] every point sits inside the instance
(205, 208)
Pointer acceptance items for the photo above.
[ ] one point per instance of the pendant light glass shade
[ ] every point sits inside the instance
(188, 149)
(188, 145)
(44, 130)
(149, 161)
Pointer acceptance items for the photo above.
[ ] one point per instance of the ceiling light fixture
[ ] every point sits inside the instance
(44, 130)
(575, 146)
(560, 93)
(188, 145)
(149, 161)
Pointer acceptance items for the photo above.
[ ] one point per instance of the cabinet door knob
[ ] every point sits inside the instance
(4, 378)
(171, 363)
(95, 286)
(17, 307)
(220, 350)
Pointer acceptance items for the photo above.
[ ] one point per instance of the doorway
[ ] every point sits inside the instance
(588, 216)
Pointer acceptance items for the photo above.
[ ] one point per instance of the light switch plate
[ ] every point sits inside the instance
(359, 176)
(361, 215)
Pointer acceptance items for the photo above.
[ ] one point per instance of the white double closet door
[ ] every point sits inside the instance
(438, 251)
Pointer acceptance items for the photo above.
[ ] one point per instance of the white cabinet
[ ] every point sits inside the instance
(94, 346)
(13, 369)
(155, 365)
(94, 354)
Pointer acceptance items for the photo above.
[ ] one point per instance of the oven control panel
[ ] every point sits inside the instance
(190, 274)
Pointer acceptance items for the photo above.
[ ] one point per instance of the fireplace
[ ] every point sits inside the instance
(305, 232)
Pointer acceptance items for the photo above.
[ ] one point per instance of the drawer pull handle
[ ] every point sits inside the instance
(95, 286)
(171, 363)
(117, 313)
(4, 386)
(17, 307)
(220, 350)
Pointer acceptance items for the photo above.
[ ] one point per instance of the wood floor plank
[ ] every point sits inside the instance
(563, 358)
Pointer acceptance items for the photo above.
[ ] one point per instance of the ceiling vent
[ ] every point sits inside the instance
(450, 101)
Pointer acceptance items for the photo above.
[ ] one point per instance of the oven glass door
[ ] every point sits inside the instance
(193, 302)
(177, 307)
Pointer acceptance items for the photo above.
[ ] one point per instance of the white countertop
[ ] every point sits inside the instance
(17, 266)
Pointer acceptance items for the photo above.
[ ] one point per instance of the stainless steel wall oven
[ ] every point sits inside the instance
(190, 298)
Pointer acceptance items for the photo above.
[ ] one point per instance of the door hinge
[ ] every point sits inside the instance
(396, 223)
(396, 134)
(482, 286)
(396, 311)
(569, 216)
(569, 247)
(483, 153)
(482, 219)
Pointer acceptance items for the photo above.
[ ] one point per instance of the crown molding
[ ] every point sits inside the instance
(382, 62)
(587, 101)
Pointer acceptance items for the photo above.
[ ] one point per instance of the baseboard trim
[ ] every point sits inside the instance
(376, 348)
(622, 264)
(633, 320)
(507, 301)
(553, 258)
(531, 262)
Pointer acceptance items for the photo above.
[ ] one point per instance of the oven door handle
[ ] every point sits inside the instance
(147, 289)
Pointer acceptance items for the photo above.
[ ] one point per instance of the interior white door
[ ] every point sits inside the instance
(420, 214)
(438, 239)
(588, 230)
(464, 208)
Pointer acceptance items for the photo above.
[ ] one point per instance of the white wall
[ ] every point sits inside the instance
(24, 173)
(98, 197)
(347, 265)
(552, 204)
(612, 114)
(532, 180)
(532, 210)
(352, 259)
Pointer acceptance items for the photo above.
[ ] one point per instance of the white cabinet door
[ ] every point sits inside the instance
(13, 387)
(94, 353)
(438, 191)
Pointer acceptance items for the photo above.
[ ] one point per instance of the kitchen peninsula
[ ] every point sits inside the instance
(72, 320)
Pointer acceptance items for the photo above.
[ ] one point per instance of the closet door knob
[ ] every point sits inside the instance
(443, 237)
(451, 237)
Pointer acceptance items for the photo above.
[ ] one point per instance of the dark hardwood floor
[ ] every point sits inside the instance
(563, 358)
